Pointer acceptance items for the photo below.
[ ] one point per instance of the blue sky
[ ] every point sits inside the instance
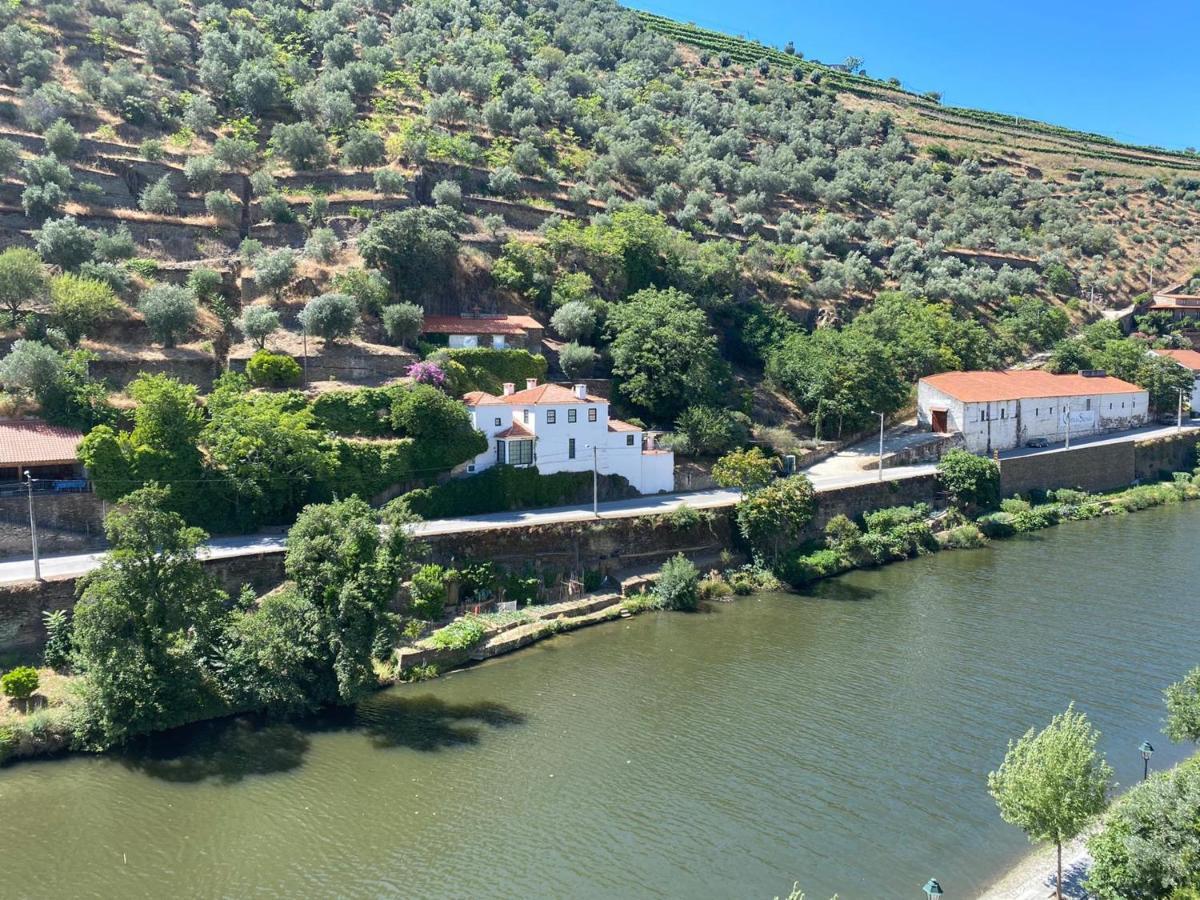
(1121, 69)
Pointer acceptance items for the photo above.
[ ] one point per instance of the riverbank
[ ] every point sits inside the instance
(1033, 877)
(893, 534)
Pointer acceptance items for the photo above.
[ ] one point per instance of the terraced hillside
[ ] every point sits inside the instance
(682, 209)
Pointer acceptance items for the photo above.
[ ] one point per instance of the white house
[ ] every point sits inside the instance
(1190, 360)
(1001, 410)
(562, 429)
(496, 331)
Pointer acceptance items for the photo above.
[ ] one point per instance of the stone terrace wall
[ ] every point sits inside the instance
(1097, 467)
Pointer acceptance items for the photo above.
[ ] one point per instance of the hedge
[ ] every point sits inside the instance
(503, 488)
(363, 411)
(367, 468)
(488, 369)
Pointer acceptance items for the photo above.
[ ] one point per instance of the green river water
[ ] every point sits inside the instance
(840, 739)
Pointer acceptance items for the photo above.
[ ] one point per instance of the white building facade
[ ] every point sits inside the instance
(1002, 410)
(560, 429)
(1190, 360)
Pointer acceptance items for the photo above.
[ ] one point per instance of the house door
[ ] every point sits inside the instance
(938, 421)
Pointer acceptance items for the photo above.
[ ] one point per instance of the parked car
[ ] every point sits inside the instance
(1037, 442)
(1167, 419)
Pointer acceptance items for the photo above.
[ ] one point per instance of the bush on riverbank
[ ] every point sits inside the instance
(1149, 846)
(461, 634)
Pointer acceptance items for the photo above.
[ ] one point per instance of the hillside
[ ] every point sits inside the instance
(681, 207)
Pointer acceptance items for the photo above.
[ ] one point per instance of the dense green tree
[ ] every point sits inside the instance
(416, 248)
(61, 139)
(578, 360)
(664, 353)
(159, 198)
(973, 482)
(1183, 708)
(1052, 784)
(78, 305)
(30, 368)
(772, 518)
(712, 430)
(574, 321)
(745, 470)
(145, 625)
(301, 145)
(369, 289)
(275, 271)
(347, 568)
(363, 149)
(65, 243)
(23, 281)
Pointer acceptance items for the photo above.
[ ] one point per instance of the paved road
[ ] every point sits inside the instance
(250, 545)
(832, 474)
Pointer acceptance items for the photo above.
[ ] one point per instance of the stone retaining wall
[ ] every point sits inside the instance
(1157, 458)
(67, 523)
(1093, 467)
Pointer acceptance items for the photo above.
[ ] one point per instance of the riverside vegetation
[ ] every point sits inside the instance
(154, 643)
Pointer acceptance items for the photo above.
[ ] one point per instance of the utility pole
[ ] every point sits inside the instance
(881, 446)
(304, 337)
(1179, 412)
(1068, 445)
(595, 481)
(37, 563)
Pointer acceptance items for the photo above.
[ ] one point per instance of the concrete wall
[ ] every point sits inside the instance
(67, 523)
(1159, 457)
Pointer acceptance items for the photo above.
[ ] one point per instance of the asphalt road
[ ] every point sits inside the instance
(823, 480)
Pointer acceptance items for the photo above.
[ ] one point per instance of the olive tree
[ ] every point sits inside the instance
(363, 149)
(159, 198)
(402, 322)
(257, 323)
(330, 316)
(22, 280)
(301, 145)
(169, 311)
(274, 271)
(30, 368)
(574, 321)
(65, 243)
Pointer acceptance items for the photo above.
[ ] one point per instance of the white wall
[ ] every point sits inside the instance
(1005, 424)
(614, 455)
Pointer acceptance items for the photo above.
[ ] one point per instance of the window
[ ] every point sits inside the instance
(1089, 403)
(520, 453)
(551, 416)
(1037, 411)
(572, 415)
(525, 416)
(629, 440)
(571, 448)
(497, 420)
(592, 414)
(1003, 412)
(1110, 405)
(500, 453)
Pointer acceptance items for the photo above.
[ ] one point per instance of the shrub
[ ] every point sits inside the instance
(427, 373)
(57, 653)
(159, 198)
(301, 145)
(169, 311)
(19, 683)
(461, 634)
(78, 304)
(22, 280)
(428, 592)
(257, 323)
(223, 207)
(972, 481)
(885, 520)
(447, 193)
(745, 470)
(61, 139)
(363, 149)
(276, 208)
(322, 245)
(678, 584)
(330, 316)
(152, 150)
(771, 518)
(578, 360)
(489, 369)
(205, 283)
(502, 488)
(65, 243)
(266, 369)
(802, 569)
(964, 537)
(390, 181)
(402, 322)
(31, 368)
(712, 430)
(203, 173)
(574, 321)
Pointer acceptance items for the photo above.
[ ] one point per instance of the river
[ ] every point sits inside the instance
(840, 739)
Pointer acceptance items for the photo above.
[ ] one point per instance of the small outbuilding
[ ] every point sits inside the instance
(1000, 410)
(46, 451)
(500, 332)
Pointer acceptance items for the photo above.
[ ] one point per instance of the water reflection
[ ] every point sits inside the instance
(232, 749)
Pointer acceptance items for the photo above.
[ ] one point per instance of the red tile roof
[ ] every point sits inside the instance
(30, 442)
(516, 429)
(481, 325)
(1189, 359)
(1012, 384)
(618, 425)
(543, 394)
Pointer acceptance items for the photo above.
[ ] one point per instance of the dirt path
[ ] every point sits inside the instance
(1033, 878)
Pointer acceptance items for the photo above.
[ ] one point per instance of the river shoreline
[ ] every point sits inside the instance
(422, 660)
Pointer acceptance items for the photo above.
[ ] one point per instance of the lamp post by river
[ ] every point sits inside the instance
(933, 889)
(1147, 751)
(37, 563)
(880, 445)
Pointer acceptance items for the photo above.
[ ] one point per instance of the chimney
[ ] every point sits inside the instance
(581, 391)
(530, 384)
(509, 387)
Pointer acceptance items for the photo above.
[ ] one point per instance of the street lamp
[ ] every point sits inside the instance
(933, 889)
(880, 443)
(1147, 751)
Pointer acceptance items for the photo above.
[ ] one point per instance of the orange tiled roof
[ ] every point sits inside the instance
(482, 325)
(31, 442)
(516, 429)
(545, 394)
(1189, 359)
(1012, 384)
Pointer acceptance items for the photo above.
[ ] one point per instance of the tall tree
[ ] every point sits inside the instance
(145, 624)
(1053, 783)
